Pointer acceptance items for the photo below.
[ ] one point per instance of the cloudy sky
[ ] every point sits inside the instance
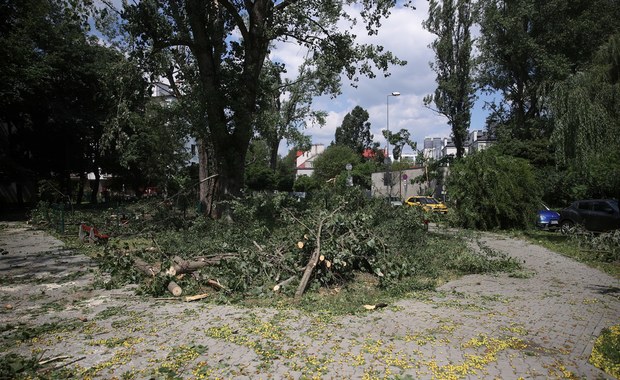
(403, 35)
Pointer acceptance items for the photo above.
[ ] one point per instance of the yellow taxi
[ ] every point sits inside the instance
(428, 204)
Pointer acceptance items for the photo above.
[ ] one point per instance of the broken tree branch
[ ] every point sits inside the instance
(314, 258)
(182, 266)
(283, 283)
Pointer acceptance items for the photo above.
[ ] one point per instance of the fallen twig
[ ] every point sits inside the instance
(69, 363)
(62, 357)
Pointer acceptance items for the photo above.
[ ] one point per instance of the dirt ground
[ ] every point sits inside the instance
(540, 324)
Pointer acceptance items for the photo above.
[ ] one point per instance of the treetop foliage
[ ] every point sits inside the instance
(451, 21)
(355, 131)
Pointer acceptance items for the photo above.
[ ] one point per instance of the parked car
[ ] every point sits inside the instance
(394, 201)
(547, 219)
(597, 215)
(428, 204)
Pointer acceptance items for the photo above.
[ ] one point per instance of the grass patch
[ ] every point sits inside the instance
(597, 251)
(606, 351)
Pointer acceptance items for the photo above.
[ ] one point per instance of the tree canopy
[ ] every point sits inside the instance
(586, 107)
(451, 21)
(354, 131)
(333, 161)
(227, 44)
(61, 87)
(526, 46)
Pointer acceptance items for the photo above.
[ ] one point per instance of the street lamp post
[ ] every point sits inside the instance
(387, 124)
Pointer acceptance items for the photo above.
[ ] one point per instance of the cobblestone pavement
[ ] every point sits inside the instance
(539, 324)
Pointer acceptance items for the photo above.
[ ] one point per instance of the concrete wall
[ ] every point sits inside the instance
(401, 184)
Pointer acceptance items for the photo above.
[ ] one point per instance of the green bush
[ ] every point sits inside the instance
(493, 191)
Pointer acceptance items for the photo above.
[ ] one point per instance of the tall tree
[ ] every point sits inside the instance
(399, 140)
(57, 96)
(354, 131)
(586, 109)
(333, 161)
(451, 22)
(228, 42)
(285, 106)
(528, 45)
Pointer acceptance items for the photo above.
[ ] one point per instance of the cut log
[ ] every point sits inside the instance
(322, 257)
(283, 283)
(300, 244)
(175, 289)
(146, 268)
(181, 266)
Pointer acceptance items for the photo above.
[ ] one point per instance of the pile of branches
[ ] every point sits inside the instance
(271, 244)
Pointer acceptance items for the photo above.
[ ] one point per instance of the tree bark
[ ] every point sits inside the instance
(80, 194)
(146, 268)
(282, 284)
(206, 185)
(182, 266)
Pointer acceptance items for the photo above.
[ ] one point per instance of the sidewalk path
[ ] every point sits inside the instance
(540, 325)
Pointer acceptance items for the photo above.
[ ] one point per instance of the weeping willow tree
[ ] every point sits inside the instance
(586, 109)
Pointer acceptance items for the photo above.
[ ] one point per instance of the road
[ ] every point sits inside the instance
(539, 323)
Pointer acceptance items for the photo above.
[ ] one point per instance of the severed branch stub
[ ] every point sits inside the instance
(282, 284)
(314, 258)
(216, 285)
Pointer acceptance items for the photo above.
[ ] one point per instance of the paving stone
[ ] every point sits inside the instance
(477, 327)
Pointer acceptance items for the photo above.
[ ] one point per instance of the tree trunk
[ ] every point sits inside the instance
(228, 145)
(146, 268)
(94, 187)
(80, 194)
(205, 194)
(230, 155)
(19, 193)
(273, 154)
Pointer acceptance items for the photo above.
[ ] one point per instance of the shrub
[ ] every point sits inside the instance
(492, 191)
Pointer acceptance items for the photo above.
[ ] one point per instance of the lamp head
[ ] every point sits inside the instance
(395, 93)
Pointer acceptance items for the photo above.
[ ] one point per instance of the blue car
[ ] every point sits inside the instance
(547, 219)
